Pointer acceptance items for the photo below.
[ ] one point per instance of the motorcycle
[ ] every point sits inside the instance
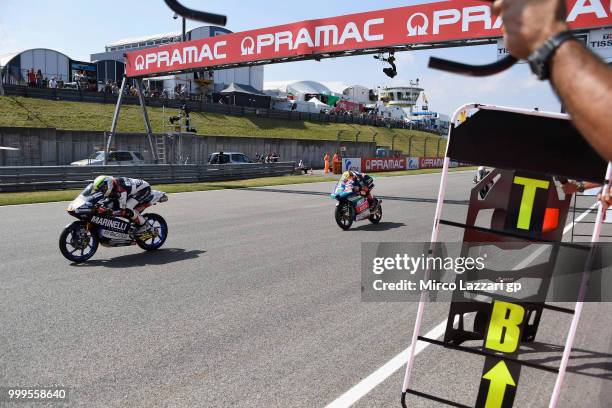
(481, 173)
(352, 207)
(97, 225)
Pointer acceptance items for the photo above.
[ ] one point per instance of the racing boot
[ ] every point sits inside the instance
(373, 202)
(138, 230)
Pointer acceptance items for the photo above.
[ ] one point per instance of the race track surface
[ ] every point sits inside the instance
(253, 302)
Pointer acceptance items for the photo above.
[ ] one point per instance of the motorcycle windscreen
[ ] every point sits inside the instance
(520, 141)
(343, 189)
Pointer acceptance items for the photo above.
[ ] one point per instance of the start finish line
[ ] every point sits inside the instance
(434, 25)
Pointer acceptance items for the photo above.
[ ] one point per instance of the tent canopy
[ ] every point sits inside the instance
(318, 103)
(241, 88)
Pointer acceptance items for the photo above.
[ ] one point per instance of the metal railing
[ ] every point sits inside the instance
(14, 179)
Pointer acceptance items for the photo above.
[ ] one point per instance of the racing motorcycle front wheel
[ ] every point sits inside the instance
(345, 214)
(77, 244)
(156, 234)
(376, 216)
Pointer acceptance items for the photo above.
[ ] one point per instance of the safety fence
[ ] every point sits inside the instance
(14, 179)
(199, 104)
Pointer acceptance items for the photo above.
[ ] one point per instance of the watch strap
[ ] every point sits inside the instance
(540, 59)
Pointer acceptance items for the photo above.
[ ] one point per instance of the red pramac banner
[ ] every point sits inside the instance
(450, 20)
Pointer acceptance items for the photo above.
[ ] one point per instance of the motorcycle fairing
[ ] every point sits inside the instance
(111, 223)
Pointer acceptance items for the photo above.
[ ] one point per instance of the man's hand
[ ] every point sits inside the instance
(529, 23)
(104, 211)
(570, 188)
(121, 213)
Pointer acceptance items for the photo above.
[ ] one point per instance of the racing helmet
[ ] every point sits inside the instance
(103, 184)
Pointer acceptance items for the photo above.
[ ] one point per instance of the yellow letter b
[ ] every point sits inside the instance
(504, 330)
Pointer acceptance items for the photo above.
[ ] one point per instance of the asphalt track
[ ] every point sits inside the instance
(254, 302)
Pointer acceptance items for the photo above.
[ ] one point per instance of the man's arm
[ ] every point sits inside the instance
(581, 79)
(584, 84)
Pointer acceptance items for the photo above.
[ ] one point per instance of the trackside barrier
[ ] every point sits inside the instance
(384, 164)
(14, 179)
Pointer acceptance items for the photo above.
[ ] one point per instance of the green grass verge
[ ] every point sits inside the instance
(32, 112)
(68, 195)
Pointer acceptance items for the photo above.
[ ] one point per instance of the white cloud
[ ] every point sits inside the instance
(337, 86)
(406, 57)
(281, 85)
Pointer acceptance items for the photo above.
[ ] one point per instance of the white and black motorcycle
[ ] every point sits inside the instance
(96, 225)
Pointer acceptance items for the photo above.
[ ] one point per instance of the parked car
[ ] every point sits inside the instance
(228, 158)
(115, 158)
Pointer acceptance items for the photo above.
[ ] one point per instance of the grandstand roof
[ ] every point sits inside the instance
(6, 58)
(154, 37)
(308, 87)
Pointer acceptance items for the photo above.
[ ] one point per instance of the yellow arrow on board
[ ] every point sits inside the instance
(500, 378)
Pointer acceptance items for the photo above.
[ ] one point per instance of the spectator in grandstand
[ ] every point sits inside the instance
(538, 30)
(31, 77)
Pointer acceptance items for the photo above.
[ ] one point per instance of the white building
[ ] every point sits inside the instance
(404, 97)
(304, 90)
(358, 94)
(201, 82)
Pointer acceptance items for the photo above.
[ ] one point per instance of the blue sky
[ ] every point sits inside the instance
(81, 28)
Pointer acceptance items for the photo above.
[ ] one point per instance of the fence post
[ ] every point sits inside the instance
(410, 146)
(374, 137)
(338, 140)
(438, 148)
(393, 143)
(425, 147)
(357, 136)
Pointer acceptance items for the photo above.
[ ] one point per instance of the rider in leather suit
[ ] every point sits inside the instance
(128, 193)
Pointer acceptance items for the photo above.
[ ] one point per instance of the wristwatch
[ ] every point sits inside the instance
(539, 60)
(580, 187)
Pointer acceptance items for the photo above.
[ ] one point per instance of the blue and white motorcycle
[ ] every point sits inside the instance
(96, 225)
(353, 206)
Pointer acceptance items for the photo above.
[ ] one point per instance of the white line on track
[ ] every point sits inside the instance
(377, 377)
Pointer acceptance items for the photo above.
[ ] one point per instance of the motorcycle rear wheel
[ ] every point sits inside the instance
(77, 237)
(345, 214)
(158, 224)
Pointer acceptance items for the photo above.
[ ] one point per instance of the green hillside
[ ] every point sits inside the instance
(31, 112)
